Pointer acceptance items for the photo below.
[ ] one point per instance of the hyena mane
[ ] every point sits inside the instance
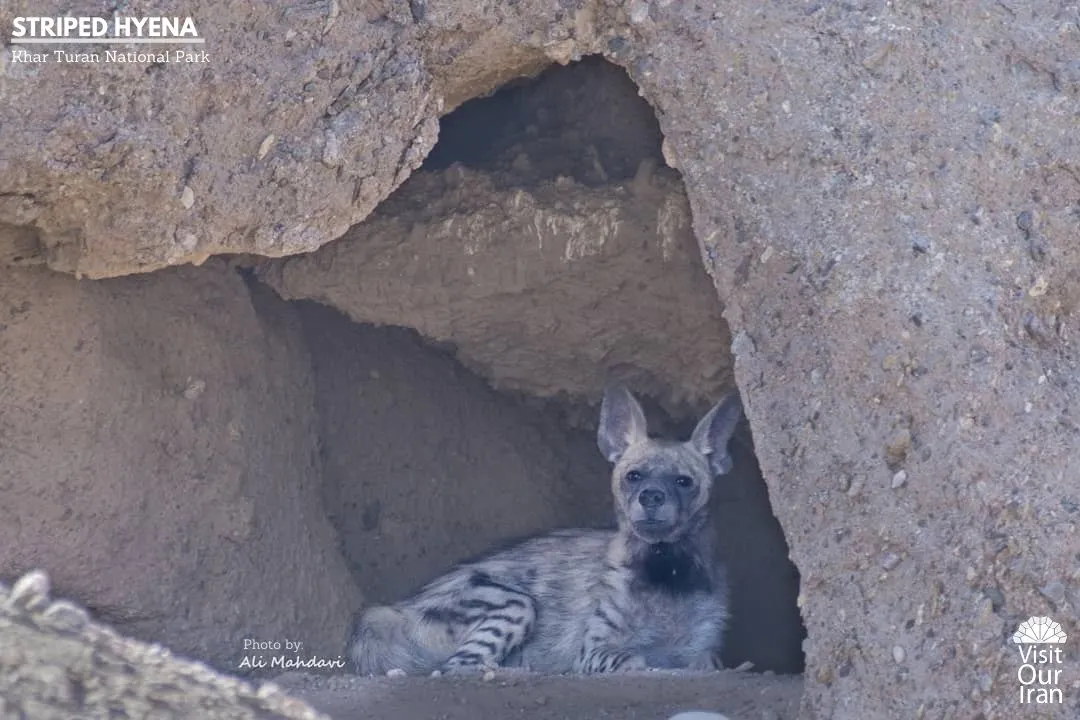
(647, 594)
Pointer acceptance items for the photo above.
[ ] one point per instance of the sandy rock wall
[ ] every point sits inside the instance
(425, 465)
(266, 147)
(541, 290)
(896, 263)
(159, 459)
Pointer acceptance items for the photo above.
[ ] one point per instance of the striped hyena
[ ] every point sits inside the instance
(646, 595)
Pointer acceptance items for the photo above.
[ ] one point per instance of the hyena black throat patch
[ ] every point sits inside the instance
(673, 568)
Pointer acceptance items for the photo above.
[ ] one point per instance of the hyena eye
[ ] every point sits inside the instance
(684, 481)
(633, 477)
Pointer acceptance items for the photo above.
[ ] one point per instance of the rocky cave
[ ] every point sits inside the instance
(432, 390)
(289, 334)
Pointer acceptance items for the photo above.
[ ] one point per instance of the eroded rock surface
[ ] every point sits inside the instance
(424, 465)
(267, 148)
(158, 458)
(541, 290)
(57, 663)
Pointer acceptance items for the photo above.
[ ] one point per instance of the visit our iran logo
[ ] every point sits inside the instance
(1039, 640)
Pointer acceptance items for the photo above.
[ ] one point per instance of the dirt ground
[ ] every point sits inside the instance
(634, 696)
(58, 663)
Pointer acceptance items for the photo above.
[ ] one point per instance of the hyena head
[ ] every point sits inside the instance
(661, 488)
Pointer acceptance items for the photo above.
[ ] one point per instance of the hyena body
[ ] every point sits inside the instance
(646, 595)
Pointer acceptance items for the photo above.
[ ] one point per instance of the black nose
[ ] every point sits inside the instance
(651, 498)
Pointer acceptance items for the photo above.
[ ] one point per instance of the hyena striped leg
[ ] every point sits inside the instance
(506, 617)
(600, 652)
(608, 659)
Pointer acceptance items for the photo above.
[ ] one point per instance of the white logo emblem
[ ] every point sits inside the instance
(1039, 630)
(1039, 640)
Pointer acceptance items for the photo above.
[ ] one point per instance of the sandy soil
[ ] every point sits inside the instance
(644, 696)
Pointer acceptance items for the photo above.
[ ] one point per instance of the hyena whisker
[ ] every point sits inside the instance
(647, 594)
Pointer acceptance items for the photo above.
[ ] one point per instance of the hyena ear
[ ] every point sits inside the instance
(712, 433)
(622, 422)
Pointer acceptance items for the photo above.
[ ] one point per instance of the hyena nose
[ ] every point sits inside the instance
(651, 498)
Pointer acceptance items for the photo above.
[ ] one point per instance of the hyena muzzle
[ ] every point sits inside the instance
(648, 594)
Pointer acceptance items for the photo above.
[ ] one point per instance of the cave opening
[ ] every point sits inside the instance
(543, 247)
(429, 383)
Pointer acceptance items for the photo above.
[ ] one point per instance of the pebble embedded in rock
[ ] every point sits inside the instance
(194, 389)
(1036, 249)
(31, 590)
(332, 153)
(890, 560)
(639, 11)
(996, 598)
(1054, 591)
(265, 145)
(898, 654)
(854, 486)
(66, 616)
(1025, 221)
(188, 240)
(897, 449)
(899, 479)
(742, 344)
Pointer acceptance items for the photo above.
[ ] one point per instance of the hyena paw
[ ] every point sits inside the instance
(706, 661)
(467, 665)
